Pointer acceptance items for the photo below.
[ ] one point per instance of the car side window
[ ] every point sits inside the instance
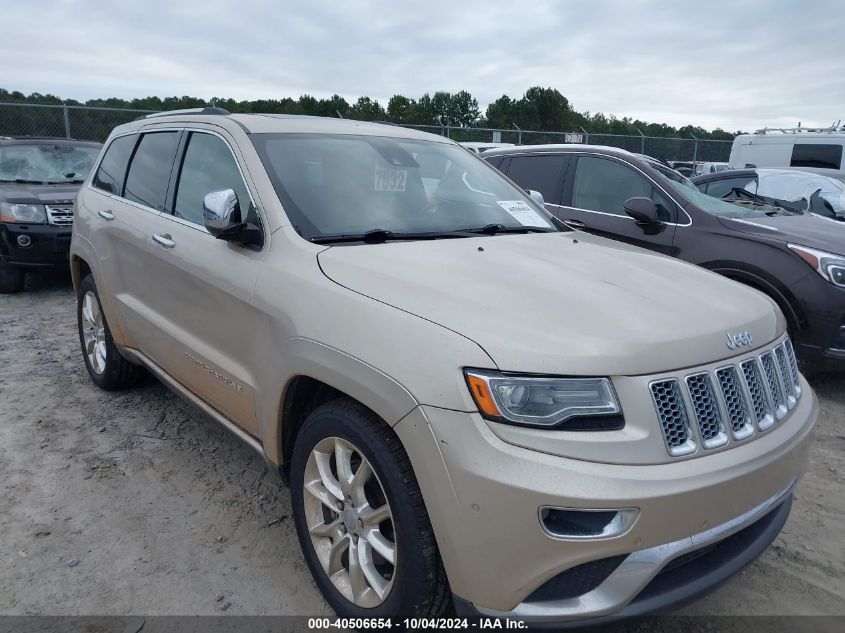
(540, 173)
(602, 184)
(112, 169)
(208, 166)
(719, 188)
(149, 172)
(816, 155)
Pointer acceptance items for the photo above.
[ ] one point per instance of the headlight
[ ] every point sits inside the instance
(574, 404)
(24, 213)
(831, 267)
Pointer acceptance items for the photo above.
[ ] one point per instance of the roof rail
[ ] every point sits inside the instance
(206, 110)
(834, 128)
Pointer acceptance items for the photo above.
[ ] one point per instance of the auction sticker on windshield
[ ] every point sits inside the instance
(522, 213)
(390, 179)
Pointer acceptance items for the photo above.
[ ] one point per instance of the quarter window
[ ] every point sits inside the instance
(604, 185)
(816, 155)
(109, 176)
(149, 173)
(208, 166)
(540, 173)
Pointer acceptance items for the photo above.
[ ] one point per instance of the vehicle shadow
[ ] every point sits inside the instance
(48, 280)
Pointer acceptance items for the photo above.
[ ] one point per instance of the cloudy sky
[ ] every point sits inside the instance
(737, 64)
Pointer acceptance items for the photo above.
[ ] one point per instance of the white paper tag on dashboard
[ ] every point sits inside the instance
(522, 213)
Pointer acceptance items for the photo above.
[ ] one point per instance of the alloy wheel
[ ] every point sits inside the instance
(93, 332)
(350, 522)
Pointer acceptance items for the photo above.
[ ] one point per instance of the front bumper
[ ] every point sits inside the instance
(667, 576)
(48, 245)
(820, 339)
(483, 495)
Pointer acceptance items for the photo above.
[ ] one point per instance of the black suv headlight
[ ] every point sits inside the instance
(574, 404)
(23, 213)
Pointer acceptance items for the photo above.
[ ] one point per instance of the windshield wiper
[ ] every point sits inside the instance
(24, 181)
(492, 229)
(378, 236)
(77, 181)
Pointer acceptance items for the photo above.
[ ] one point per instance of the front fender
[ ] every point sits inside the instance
(390, 400)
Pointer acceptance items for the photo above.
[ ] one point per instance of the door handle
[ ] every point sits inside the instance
(575, 224)
(106, 215)
(164, 240)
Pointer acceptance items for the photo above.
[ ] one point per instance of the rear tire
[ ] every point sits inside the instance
(12, 278)
(392, 524)
(107, 368)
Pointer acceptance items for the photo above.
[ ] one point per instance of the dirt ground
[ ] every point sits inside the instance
(137, 503)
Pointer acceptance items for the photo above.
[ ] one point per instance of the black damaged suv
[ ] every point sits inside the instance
(39, 178)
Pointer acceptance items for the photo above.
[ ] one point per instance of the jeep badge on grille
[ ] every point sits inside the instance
(741, 339)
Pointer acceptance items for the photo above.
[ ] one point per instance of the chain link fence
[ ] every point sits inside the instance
(667, 148)
(94, 124)
(79, 122)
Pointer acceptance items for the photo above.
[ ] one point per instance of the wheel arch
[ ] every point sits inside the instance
(79, 268)
(768, 285)
(323, 373)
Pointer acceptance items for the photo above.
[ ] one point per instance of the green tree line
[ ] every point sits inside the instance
(543, 109)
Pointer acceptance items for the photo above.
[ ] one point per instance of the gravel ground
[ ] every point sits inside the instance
(136, 502)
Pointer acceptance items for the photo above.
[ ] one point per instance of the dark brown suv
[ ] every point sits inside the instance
(796, 258)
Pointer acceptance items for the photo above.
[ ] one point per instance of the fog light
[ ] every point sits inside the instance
(23, 240)
(577, 523)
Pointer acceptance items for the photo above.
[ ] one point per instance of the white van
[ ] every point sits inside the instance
(790, 147)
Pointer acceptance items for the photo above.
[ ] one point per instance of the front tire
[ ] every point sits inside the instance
(12, 278)
(361, 519)
(107, 368)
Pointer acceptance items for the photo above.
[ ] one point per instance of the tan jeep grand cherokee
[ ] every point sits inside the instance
(470, 401)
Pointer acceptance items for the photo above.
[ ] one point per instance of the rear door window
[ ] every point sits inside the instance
(149, 173)
(540, 173)
(816, 155)
(110, 174)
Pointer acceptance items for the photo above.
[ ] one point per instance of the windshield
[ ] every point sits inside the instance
(709, 204)
(342, 185)
(46, 162)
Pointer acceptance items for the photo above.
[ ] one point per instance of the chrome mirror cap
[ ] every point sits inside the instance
(221, 211)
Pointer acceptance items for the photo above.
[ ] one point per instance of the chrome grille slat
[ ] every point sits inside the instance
(60, 214)
(736, 404)
(773, 383)
(706, 410)
(785, 376)
(672, 414)
(793, 366)
(760, 400)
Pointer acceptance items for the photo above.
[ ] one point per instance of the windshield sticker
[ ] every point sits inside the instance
(390, 179)
(522, 213)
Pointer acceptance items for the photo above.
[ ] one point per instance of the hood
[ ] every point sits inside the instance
(561, 303)
(37, 194)
(808, 229)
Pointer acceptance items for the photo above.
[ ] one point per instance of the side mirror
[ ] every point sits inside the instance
(643, 210)
(537, 197)
(221, 214)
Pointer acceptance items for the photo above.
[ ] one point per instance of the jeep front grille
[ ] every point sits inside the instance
(736, 405)
(60, 214)
(711, 409)
(672, 413)
(773, 381)
(706, 411)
